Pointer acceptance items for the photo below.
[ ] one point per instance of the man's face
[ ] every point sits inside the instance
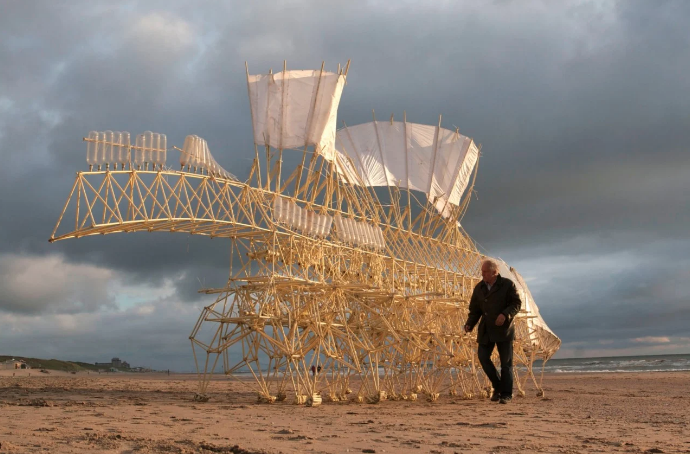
(488, 274)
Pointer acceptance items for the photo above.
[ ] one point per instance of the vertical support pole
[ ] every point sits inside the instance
(407, 175)
(257, 165)
(268, 168)
(299, 173)
(105, 199)
(79, 190)
(383, 159)
(431, 176)
(309, 131)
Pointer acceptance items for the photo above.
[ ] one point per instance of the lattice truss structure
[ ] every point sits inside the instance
(350, 278)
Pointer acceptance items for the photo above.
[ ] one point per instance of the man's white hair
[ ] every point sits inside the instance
(493, 264)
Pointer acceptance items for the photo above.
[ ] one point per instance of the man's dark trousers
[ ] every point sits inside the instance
(504, 383)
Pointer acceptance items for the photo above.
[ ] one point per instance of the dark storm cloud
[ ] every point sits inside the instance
(581, 109)
(151, 335)
(34, 285)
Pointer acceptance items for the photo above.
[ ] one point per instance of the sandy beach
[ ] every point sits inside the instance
(155, 413)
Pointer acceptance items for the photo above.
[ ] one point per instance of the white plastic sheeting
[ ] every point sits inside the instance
(359, 233)
(308, 222)
(108, 147)
(424, 158)
(196, 155)
(534, 317)
(294, 109)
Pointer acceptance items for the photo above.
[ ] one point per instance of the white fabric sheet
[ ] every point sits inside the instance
(424, 158)
(294, 109)
(528, 304)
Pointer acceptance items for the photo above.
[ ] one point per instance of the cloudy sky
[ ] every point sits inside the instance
(581, 107)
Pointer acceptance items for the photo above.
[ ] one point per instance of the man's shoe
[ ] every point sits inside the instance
(496, 396)
(505, 399)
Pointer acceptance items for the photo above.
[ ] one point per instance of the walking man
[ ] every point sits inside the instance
(496, 302)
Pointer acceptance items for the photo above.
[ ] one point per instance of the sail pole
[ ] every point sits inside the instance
(468, 196)
(431, 173)
(407, 175)
(268, 168)
(282, 128)
(304, 153)
(359, 184)
(251, 105)
(383, 161)
(255, 167)
(456, 174)
(279, 163)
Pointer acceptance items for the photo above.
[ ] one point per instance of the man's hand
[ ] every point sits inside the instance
(467, 328)
(500, 320)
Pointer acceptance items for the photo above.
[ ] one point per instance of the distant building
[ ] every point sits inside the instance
(115, 363)
(14, 364)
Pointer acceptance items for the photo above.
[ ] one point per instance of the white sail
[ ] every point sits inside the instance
(535, 321)
(424, 158)
(295, 109)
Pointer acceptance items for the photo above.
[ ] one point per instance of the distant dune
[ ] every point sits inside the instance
(51, 364)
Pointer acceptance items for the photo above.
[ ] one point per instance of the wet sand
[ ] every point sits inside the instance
(155, 413)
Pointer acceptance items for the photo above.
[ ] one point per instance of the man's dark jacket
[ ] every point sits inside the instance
(487, 304)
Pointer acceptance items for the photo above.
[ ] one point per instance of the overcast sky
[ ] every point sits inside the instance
(581, 107)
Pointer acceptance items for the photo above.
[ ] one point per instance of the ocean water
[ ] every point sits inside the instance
(655, 363)
(652, 363)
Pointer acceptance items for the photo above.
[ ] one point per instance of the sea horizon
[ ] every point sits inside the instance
(621, 356)
(676, 362)
(617, 364)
